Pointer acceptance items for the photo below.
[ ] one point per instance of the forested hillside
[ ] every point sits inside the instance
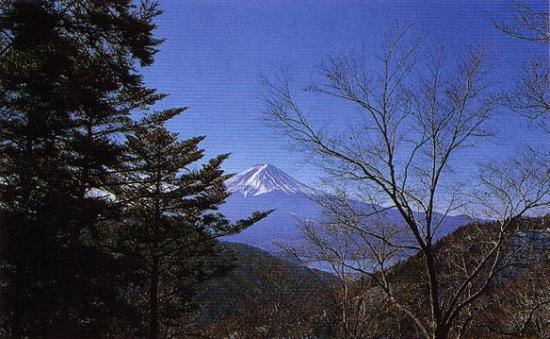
(265, 297)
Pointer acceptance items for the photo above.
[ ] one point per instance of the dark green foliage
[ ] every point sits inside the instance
(169, 224)
(68, 83)
(73, 261)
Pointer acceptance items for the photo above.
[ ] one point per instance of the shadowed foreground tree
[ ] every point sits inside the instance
(69, 80)
(170, 224)
(415, 118)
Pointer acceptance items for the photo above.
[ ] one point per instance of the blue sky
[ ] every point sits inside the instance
(216, 51)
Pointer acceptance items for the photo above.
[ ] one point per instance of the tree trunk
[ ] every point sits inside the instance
(433, 284)
(153, 300)
(441, 332)
(17, 331)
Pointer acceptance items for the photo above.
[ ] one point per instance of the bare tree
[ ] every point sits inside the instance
(527, 23)
(414, 119)
(350, 243)
(519, 304)
(526, 310)
(531, 96)
(271, 300)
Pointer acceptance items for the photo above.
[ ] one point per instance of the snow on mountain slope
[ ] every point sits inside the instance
(265, 187)
(265, 178)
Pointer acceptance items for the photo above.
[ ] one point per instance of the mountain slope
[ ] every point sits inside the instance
(261, 292)
(265, 187)
(262, 179)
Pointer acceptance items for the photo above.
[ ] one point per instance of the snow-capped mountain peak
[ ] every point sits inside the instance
(266, 178)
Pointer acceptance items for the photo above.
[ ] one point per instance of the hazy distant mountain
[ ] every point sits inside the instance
(265, 187)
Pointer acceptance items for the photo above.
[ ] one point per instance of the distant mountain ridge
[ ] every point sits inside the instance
(265, 187)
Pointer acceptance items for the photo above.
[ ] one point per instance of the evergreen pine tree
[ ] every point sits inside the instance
(68, 83)
(171, 223)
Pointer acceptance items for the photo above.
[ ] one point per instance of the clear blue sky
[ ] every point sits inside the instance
(215, 52)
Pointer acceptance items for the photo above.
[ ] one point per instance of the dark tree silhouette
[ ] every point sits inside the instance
(170, 222)
(68, 83)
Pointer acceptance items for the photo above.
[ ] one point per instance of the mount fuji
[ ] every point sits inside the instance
(265, 187)
(262, 179)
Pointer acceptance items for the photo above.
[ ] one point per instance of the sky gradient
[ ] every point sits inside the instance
(216, 51)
